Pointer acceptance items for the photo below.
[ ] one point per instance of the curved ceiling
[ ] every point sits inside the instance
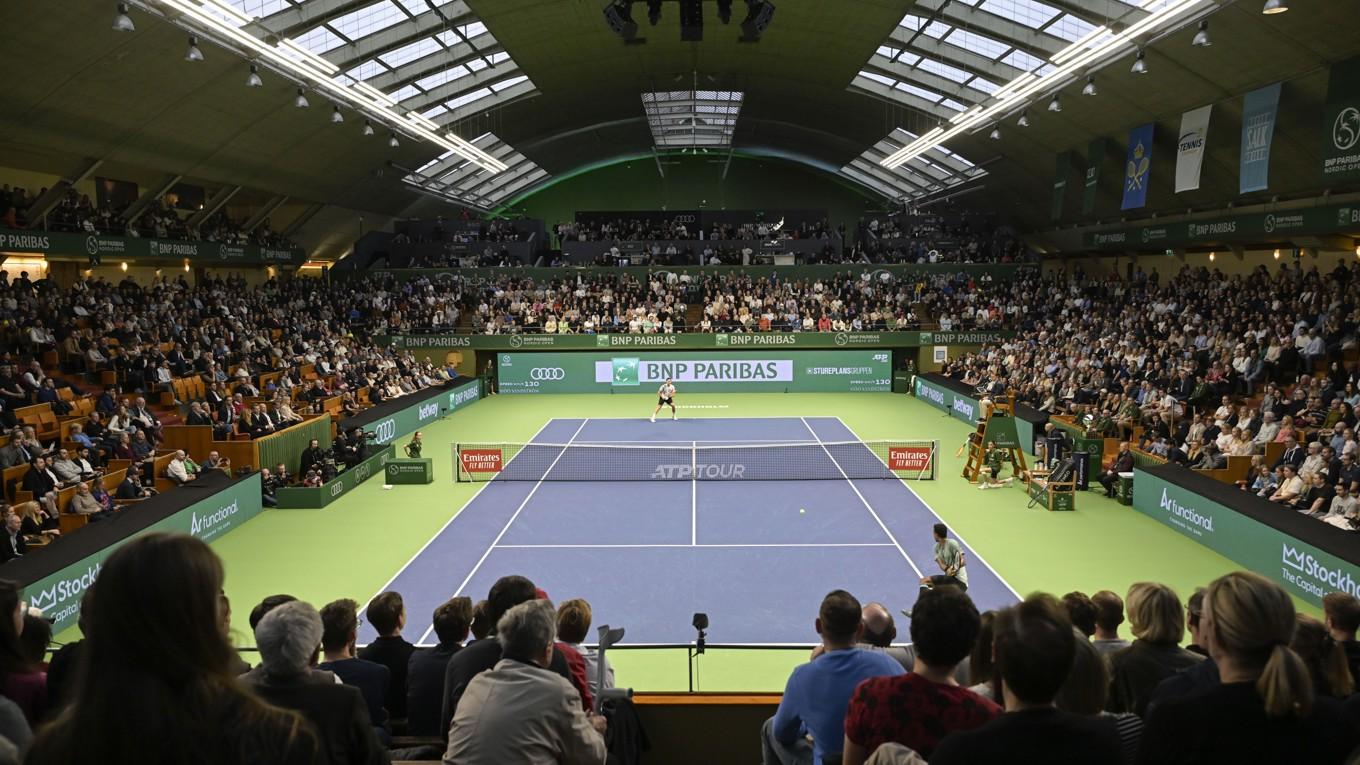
(547, 79)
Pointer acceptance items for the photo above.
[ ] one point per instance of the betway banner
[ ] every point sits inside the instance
(957, 405)
(59, 595)
(751, 371)
(417, 415)
(1300, 568)
(65, 246)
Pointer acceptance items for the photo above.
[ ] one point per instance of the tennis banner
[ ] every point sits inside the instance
(1259, 108)
(1190, 147)
(1341, 120)
(1138, 167)
(769, 371)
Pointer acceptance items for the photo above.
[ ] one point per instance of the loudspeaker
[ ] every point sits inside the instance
(759, 13)
(691, 21)
(618, 15)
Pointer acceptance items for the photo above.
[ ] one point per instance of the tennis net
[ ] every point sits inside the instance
(791, 461)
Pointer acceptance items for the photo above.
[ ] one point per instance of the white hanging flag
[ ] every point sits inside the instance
(1190, 147)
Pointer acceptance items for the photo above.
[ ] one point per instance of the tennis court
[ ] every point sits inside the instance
(580, 511)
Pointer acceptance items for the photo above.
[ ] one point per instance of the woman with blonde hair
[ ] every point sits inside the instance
(1157, 621)
(1324, 657)
(1264, 710)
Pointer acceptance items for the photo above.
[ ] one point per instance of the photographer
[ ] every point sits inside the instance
(312, 457)
(349, 449)
(413, 448)
(268, 486)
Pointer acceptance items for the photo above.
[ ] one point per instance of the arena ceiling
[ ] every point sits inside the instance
(540, 88)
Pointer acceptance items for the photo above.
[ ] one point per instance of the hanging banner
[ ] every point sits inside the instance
(1341, 122)
(1095, 157)
(1190, 148)
(1258, 128)
(1138, 167)
(1061, 174)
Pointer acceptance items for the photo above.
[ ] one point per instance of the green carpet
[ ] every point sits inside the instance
(353, 547)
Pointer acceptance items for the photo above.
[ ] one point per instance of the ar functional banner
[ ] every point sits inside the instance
(1095, 157)
(1259, 108)
(1190, 148)
(1341, 122)
(771, 371)
(1300, 568)
(1138, 167)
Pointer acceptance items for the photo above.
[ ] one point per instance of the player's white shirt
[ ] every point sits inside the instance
(666, 391)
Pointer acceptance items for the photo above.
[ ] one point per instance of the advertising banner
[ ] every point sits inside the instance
(291, 497)
(1001, 272)
(769, 371)
(1259, 108)
(959, 406)
(417, 415)
(1341, 122)
(1190, 147)
(1138, 167)
(1250, 228)
(67, 246)
(1061, 174)
(698, 340)
(1300, 568)
(1095, 157)
(59, 595)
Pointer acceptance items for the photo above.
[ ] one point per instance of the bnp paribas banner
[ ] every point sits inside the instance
(59, 595)
(1341, 122)
(698, 340)
(67, 246)
(958, 406)
(1300, 568)
(768, 371)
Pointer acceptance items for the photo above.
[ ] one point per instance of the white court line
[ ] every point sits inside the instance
(430, 541)
(694, 495)
(521, 507)
(927, 506)
(648, 546)
(867, 506)
(703, 441)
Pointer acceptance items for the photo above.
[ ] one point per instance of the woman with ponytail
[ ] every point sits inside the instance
(1324, 657)
(1265, 710)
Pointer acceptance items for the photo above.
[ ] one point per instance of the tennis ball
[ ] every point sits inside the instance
(801, 510)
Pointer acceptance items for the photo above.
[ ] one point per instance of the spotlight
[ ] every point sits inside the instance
(1140, 63)
(1055, 105)
(253, 79)
(1024, 119)
(1201, 39)
(759, 13)
(1277, 254)
(619, 16)
(725, 11)
(995, 135)
(1090, 88)
(1275, 6)
(1212, 255)
(336, 116)
(194, 53)
(393, 142)
(654, 12)
(301, 100)
(368, 127)
(123, 22)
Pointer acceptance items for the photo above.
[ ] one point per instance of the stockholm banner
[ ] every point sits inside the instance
(786, 372)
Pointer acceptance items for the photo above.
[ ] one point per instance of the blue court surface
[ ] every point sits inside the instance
(648, 554)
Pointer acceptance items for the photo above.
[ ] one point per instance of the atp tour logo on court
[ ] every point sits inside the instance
(481, 460)
(625, 371)
(909, 458)
(729, 471)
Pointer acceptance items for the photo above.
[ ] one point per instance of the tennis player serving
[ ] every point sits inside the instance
(665, 396)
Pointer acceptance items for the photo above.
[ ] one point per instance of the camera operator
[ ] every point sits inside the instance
(269, 486)
(349, 449)
(312, 457)
(413, 448)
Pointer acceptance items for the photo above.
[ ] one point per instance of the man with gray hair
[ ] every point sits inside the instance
(289, 639)
(520, 711)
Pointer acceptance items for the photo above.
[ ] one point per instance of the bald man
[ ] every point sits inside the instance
(879, 633)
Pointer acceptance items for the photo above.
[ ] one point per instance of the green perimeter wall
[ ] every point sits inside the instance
(698, 182)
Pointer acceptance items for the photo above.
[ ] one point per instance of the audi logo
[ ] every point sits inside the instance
(385, 430)
(337, 488)
(548, 373)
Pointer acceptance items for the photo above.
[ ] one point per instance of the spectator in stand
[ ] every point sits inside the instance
(521, 711)
(1324, 657)
(161, 690)
(1109, 615)
(1265, 710)
(919, 708)
(879, 633)
(1082, 613)
(482, 626)
(21, 679)
(84, 503)
(426, 668)
(573, 627)
(387, 614)
(178, 471)
(289, 639)
(1157, 622)
(269, 487)
(1034, 646)
(340, 623)
(12, 542)
(1086, 692)
(1342, 615)
(810, 720)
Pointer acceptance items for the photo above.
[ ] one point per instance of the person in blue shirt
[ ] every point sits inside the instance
(818, 693)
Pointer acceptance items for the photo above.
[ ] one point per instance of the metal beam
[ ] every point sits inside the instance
(955, 56)
(263, 214)
(44, 204)
(298, 18)
(462, 86)
(301, 220)
(504, 97)
(483, 46)
(899, 70)
(211, 207)
(1099, 12)
(348, 56)
(877, 89)
(151, 195)
(1003, 30)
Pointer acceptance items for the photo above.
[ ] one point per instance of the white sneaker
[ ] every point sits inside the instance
(653, 418)
(674, 417)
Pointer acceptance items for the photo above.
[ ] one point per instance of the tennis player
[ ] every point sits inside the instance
(665, 396)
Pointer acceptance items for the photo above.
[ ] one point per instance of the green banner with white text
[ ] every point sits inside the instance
(1341, 122)
(56, 245)
(698, 340)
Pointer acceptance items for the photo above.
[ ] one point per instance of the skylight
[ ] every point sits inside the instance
(690, 118)
(454, 179)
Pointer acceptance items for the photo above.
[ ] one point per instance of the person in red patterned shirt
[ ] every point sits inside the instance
(922, 707)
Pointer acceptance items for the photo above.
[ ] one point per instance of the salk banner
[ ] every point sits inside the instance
(1095, 157)
(1190, 148)
(788, 371)
(1259, 108)
(1300, 568)
(1138, 167)
(1341, 122)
